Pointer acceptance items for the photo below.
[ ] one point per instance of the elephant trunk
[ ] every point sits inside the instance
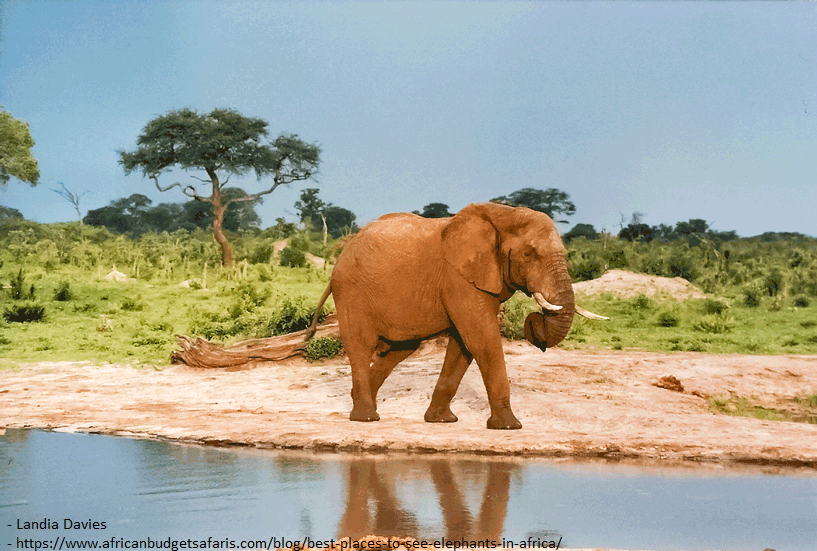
(549, 327)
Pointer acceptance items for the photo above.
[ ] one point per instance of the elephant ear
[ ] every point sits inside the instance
(470, 245)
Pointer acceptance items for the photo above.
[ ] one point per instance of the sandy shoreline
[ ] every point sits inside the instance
(571, 404)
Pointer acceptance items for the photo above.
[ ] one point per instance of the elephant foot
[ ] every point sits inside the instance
(364, 414)
(505, 420)
(440, 415)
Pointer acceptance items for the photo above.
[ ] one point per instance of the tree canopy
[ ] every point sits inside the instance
(221, 143)
(15, 151)
(135, 216)
(313, 212)
(435, 210)
(551, 201)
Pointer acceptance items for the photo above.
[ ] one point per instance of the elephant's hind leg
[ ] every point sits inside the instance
(386, 360)
(360, 350)
(456, 363)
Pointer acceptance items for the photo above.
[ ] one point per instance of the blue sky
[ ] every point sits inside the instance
(677, 110)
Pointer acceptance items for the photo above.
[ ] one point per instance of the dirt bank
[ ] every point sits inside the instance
(570, 403)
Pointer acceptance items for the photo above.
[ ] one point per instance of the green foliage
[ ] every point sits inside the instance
(132, 305)
(715, 306)
(24, 313)
(801, 301)
(435, 210)
(773, 283)
(714, 323)
(292, 257)
(18, 289)
(324, 347)
(752, 296)
(293, 315)
(551, 201)
(15, 151)
(512, 316)
(643, 302)
(63, 292)
(669, 316)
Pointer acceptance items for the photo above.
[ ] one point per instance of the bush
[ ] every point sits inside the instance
(261, 254)
(751, 296)
(512, 319)
(324, 347)
(715, 306)
(24, 313)
(293, 258)
(62, 292)
(293, 316)
(713, 323)
(131, 305)
(669, 317)
(586, 269)
(682, 265)
(642, 302)
(773, 283)
(801, 302)
(17, 290)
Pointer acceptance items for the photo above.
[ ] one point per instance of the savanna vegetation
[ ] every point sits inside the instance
(57, 305)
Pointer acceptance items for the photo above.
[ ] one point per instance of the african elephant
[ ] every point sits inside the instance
(404, 278)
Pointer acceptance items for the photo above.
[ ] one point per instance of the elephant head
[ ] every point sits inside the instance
(502, 249)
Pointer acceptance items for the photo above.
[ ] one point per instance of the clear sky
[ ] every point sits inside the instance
(677, 110)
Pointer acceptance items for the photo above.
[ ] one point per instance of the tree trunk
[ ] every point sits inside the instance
(203, 353)
(218, 224)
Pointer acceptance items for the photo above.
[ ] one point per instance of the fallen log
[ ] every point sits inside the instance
(199, 352)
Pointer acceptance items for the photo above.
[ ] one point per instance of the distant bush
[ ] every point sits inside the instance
(18, 287)
(801, 302)
(669, 317)
(586, 269)
(324, 347)
(293, 258)
(715, 306)
(261, 254)
(773, 283)
(751, 296)
(63, 292)
(132, 305)
(680, 264)
(24, 313)
(713, 323)
(642, 302)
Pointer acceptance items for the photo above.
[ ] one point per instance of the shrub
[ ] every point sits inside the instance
(715, 306)
(324, 347)
(132, 305)
(713, 323)
(773, 283)
(512, 319)
(801, 302)
(669, 317)
(24, 313)
(682, 265)
(293, 258)
(642, 302)
(293, 316)
(17, 290)
(62, 292)
(751, 296)
(586, 269)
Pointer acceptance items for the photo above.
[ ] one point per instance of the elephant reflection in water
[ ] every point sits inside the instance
(375, 480)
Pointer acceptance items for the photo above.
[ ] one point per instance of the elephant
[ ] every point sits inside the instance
(403, 278)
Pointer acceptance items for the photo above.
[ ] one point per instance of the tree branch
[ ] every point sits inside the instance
(190, 191)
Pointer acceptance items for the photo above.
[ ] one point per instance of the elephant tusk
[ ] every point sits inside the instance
(588, 314)
(540, 300)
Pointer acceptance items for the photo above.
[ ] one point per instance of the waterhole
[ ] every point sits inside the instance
(156, 489)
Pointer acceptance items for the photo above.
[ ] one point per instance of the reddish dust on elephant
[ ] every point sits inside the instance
(404, 278)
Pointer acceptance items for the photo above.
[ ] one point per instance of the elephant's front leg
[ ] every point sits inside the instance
(455, 365)
(477, 324)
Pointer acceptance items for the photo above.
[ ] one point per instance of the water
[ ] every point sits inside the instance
(143, 488)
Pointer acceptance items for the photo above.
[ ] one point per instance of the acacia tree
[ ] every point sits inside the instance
(15, 151)
(220, 143)
(551, 201)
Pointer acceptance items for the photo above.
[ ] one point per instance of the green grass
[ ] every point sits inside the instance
(660, 326)
(137, 321)
(801, 410)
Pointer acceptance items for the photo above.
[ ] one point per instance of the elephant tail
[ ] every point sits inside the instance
(312, 328)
